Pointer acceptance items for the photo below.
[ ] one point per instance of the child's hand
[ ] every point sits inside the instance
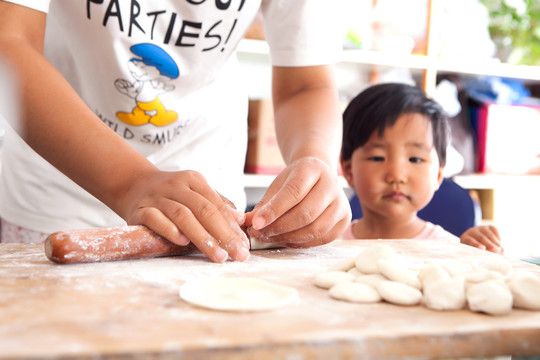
(485, 237)
(183, 208)
(303, 207)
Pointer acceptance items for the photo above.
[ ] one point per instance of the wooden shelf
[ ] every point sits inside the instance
(488, 67)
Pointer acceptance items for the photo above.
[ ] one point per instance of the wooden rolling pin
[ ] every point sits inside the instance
(106, 244)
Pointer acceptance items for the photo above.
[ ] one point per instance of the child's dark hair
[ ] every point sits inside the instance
(379, 107)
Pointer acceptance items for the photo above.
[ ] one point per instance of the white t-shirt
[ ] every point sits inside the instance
(161, 74)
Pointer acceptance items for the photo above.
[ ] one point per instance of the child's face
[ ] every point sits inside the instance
(397, 173)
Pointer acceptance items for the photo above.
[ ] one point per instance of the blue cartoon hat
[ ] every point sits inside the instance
(153, 55)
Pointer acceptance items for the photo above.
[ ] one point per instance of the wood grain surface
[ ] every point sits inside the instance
(131, 309)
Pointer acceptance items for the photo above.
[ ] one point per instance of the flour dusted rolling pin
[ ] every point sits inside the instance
(116, 243)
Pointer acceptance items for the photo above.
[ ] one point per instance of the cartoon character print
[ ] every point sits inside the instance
(153, 69)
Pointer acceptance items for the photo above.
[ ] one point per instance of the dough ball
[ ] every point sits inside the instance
(432, 273)
(498, 265)
(490, 297)
(371, 279)
(457, 267)
(354, 292)
(399, 293)
(482, 275)
(366, 261)
(237, 294)
(344, 265)
(525, 288)
(445, 294)
(328, 279)
(355, 272)
(397, 272)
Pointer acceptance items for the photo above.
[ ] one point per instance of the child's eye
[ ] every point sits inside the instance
(415, 160)
(376, 158)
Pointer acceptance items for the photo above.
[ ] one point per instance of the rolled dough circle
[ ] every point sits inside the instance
(237, 294)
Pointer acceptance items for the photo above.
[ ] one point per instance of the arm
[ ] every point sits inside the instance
(304, 206)
(485, 237)
(179, 206)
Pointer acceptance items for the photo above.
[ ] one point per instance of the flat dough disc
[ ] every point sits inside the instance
(237, 294)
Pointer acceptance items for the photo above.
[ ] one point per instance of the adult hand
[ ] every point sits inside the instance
(183, 208)
(485, 237)
(303, 207)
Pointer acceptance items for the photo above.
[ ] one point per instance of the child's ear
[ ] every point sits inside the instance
(346, 167)
(440, 176)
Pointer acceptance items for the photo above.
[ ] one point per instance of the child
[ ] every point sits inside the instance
(393, 154)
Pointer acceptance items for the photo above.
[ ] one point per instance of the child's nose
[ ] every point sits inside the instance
(396, 173)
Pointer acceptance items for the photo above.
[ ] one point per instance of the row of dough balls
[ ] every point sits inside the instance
(379, 273)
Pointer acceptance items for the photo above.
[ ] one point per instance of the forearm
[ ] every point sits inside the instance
(308, 121)
(59, 126)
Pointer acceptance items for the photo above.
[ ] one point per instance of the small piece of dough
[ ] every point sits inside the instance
(343, 265)
(525, 288)
(399, 293)
(355, 272)
(457, 267)
(400, 273)
(237, 294)
(371, 279)
(482, 275)
(491, 297)
(498, 265)
(445, 294)
(354, 292)
(366, 261)
(328, 279)
(431, 273)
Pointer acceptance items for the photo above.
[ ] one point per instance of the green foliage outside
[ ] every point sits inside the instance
(515, 29)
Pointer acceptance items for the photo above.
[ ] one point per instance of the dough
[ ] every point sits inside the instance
(366, 261)
(445, 294)
(498, 265)
(399, 273)
(432, 273)
(399, 293)
(354, 292)
(371, 279)
(344, 265)
(525, 288)
(237, 294)
(328, 279)
(491, 297)
(355, 272)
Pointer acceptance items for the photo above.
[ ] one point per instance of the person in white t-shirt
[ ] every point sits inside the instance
(132, 112)
(393, 155)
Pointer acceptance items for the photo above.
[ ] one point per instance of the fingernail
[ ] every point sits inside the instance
(243, 254)
(221, 255)
(258, 223)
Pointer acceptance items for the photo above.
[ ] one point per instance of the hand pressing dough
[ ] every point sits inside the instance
(354, 292)
(237, 294)
(399, 293)
(445, 294)
(328, 279)
(399, 273)
(491, 297)
(366, 261)
(525, 288)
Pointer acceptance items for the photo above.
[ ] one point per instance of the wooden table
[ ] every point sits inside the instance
(131, 309)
